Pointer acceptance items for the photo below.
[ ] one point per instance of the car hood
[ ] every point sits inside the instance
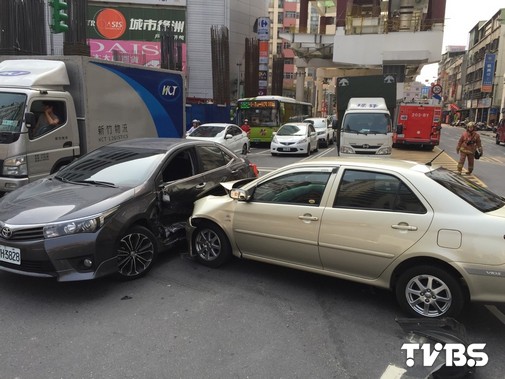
(49, 200)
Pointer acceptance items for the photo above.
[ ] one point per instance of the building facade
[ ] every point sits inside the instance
(473, 79)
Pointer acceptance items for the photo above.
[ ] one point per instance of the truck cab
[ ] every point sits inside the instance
(29, 147)
(366, 127)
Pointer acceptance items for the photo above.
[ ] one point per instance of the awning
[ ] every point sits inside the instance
(454, 107)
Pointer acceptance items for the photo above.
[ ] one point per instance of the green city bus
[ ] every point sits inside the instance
(267, 113)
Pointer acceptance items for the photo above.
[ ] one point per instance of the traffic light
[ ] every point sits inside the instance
(60, 16)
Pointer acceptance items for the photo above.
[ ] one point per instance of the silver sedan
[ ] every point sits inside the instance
(429, 235)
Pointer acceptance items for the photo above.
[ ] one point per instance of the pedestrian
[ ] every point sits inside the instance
(468, 144)
(194, 124)
(245, 127)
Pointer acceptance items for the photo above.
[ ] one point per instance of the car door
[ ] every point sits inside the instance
(219, 165)
(281, 222)
(312, 136)
(234, 143)
(374, 217)
(183, 183)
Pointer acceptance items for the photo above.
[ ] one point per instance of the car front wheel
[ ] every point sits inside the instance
(429, 292)
(211, 245)
(136, 252)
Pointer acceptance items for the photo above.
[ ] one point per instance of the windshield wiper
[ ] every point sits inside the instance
(88, 182)
(96, 182)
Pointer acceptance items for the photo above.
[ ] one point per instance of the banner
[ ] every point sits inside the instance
(488, 73)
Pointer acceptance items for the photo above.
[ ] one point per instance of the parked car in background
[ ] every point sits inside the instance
(112, 210)
(294, 138)
(426, 233)
(325, 133)
(230, 135)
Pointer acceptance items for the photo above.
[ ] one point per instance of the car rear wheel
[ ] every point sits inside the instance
(308, 150)
(244, 149)
(211, 245)
(136, 252)
(429, 292)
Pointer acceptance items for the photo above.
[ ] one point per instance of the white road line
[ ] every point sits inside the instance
(393, 372)
(496, 312)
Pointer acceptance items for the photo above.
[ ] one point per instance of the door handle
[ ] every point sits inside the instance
(308, 217)
(201, 185)
(404, 227)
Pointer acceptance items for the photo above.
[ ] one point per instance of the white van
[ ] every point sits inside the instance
(366, 127)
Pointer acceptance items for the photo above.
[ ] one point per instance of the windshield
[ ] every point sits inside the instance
(259, 116)
(207, 131)
(479, 197)
(123, 167)
(367, 123)
(292, 130)
(12, 107)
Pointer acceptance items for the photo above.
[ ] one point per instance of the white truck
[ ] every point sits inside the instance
(366, 127)
(365, 105)
(95, 102)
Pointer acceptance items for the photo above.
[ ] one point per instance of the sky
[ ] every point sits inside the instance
(460, 17)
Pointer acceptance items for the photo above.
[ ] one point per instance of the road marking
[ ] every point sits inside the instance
(496, 312)
(393, 372)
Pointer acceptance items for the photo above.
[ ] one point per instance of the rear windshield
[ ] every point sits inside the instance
(479, 197)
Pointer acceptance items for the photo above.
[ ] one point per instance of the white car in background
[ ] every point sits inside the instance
(229, 135)
(325, 133)
(294, 138)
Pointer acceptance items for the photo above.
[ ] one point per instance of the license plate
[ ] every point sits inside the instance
(10, 254)
(286, 149)
(401, 135)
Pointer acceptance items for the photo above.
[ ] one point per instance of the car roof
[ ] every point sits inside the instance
(220, 124)
(158, 143)
(296, 124)
(370, 162)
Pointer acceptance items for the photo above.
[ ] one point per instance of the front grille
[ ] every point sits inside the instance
(26, 235)
(367, 147)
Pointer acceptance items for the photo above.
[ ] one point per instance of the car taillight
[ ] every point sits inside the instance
(254, 168)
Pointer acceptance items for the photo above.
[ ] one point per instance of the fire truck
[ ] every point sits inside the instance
(417, 124)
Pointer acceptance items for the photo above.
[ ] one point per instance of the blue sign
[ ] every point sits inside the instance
(488, 73)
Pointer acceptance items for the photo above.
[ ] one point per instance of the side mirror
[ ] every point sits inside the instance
(30, 120)
(228, 136)
(239, 194)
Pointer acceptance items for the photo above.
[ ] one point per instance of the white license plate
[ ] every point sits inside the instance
(401, 135)
(286, 149)
(10, 254)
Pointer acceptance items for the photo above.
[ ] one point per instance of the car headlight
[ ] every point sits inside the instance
(274, 139)
(84, 225)
(385, 150)
(15, 166)
(303, 140)
(346, 149)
